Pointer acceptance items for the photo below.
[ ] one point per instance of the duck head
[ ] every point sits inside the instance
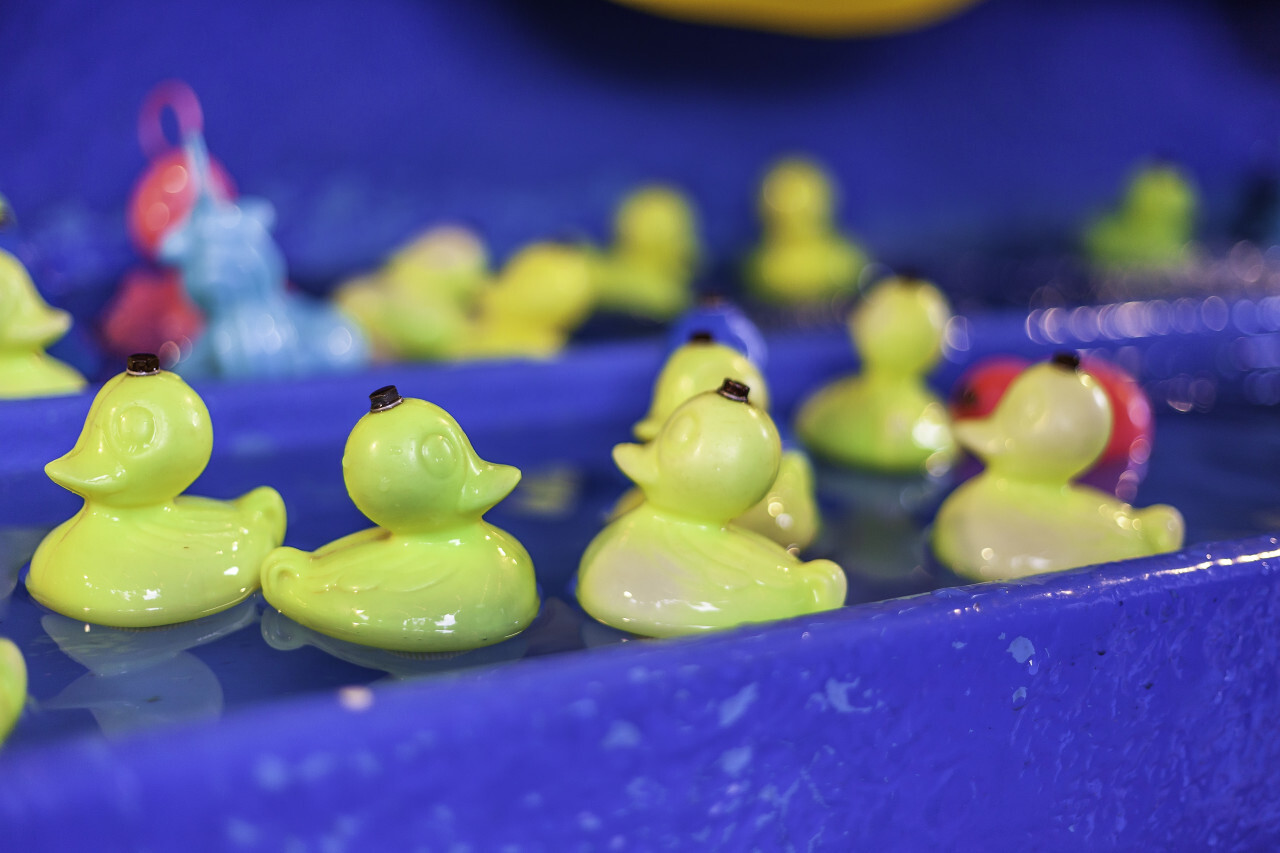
(657, 221)
(1051, 424)
(146, 439)
(1160, 193)
(547, 285)
(697, 366)
(27, 322)
(715, 457)
(448, 260)
(899, 327)
(410, 468)
(797, 195)
(13, 686)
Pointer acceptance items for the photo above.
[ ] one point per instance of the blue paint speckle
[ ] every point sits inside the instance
(316, 767)
(736, 705)
(271, 773)
(367, 763)
(621, 735)
(1022, 649)
(241, 832)
(732, 761)
(583, 709)
(838, 696)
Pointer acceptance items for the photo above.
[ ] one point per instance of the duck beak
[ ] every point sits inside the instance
(983, 438)
(38, 324)
(487, 486)
(87, 471)
(49, 325)
(647, 429)
(637, 462)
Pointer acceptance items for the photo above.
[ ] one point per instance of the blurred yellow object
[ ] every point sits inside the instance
(1153, 226)
(28, 324)
(886, 418)
(830, 18)
(543, 293)
(649, 269)
(13, 686)
(436, 299)
(418, 305)
(802, 257)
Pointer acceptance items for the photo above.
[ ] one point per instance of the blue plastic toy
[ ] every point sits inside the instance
(726, 322)
(234, 271)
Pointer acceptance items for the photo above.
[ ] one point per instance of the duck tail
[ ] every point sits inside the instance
(1162, 527)
(828, 583)
(795, 481)
(267, 507)
(279, 568)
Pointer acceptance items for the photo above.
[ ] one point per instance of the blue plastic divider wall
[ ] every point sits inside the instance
(1122, 708)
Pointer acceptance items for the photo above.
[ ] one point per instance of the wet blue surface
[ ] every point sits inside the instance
(1219, 468)
(1217, 457)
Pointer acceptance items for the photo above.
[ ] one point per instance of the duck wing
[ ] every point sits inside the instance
(203, 525)
(373, 560)
(731, 558)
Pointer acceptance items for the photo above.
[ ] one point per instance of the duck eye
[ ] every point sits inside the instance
(439, 456)
(1034, 411)
(684, 429)
(133, 429)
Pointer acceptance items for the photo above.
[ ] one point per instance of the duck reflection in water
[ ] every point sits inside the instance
(139, 679)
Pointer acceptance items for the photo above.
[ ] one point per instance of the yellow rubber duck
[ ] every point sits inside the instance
(649, 269)
(543, 293)
(802, 257)
(13, 687)
(676, 564)
(419, 305)
(1023, 515)
(137, 554)
(27, 325)
(1153, 226)
(886, 418)
(788, 513)
(433, 576)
